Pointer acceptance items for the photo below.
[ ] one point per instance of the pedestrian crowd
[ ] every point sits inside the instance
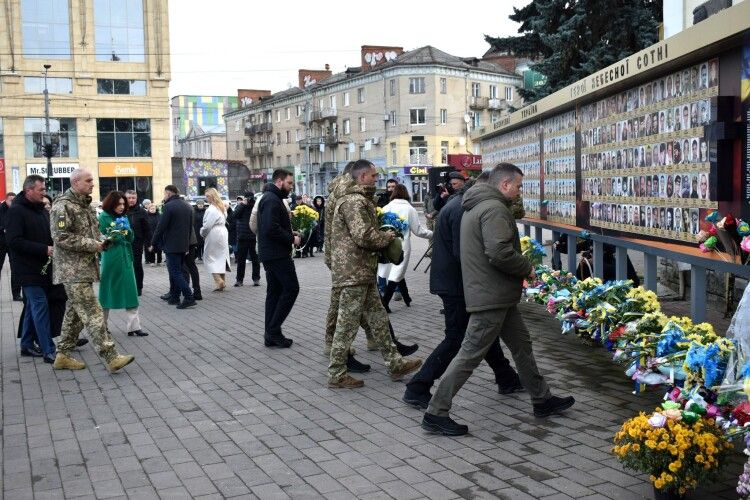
(59, 249)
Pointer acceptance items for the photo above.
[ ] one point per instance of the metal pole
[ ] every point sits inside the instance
(47, 138)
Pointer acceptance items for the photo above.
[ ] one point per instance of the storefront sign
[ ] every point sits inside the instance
(465, 162)
(59, 170)
(415, 170)
(126, 169)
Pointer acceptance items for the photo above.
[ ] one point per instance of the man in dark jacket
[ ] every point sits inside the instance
(30, 242)
(493, 271)
(446, 282)
(173, 234)
(4, 208)
(275, 240)
(245, 240)
(138, 218)
(198, 212)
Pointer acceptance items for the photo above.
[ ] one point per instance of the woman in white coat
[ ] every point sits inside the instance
(216, 239)
(401, 206)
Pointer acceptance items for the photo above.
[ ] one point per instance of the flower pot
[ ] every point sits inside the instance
(667, 495)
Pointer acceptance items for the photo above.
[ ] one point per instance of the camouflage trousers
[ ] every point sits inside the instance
(83, 309)
(360, 304)
(333, 312)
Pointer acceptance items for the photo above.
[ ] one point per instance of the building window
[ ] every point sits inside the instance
(417, 116)
(35, 85)
(298, 158)
(62, 136)
(278, 115)
(393, 87)
(394, 154)
(333, 101)
(416, 85)
(278, 137)
(443, 116)
(288, 113)
(236, 125)
(418, 153)
(361, 95)
(475, 121)
(123, 138)
(362, 124)
(393, 119)
(296, 135)
(288, 160)
(444, 152)
(493, 91)
(347, 127)
(508, 93)
(299, 109)
(347, 153)
(121, 87)
(118, 30)
(288, 136)
(443, 86)
(45, 29)
(475, 90)
(236, 145)
(346, 98)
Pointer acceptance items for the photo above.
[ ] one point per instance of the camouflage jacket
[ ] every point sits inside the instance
(355, 238)
(336, 188)
(75, 233)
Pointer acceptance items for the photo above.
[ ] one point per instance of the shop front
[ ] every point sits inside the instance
(121, 176)
(415, 180)
(60, 175)
(200, 175)
(468, 164)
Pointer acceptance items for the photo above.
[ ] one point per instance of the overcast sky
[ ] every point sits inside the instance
(222, 45)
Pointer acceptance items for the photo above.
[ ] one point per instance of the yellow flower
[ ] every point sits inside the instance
(650, 444)
(699, 459)
(675, 466)
(636, 448)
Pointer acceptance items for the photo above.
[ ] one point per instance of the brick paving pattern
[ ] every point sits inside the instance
(207, 412)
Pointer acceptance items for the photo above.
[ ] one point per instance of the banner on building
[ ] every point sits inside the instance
(59, 170)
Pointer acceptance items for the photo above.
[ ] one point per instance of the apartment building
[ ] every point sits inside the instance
(404, 111)
(107, 70)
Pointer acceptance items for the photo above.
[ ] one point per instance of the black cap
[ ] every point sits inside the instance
(456, 175)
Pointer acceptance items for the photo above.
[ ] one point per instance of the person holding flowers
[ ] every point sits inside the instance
(118, 289)
(400, 206)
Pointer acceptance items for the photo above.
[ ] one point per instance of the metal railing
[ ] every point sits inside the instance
(479, 102)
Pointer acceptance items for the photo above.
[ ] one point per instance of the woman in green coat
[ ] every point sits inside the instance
(117, 289)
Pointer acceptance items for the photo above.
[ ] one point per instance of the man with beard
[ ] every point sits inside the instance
(275, 240)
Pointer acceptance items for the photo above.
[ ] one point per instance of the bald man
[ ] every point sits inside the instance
(76, 237)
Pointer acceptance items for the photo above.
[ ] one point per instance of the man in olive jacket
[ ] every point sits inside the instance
(75, 233)
(355, 242)
(493, 270)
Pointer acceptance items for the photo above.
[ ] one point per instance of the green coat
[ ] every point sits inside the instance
(117, 289)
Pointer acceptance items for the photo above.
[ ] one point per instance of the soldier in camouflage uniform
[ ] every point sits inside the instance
(356, 240)
(75, 233)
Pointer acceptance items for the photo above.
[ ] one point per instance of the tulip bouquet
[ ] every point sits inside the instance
(390, 221)
(532, 250)
(117, 229)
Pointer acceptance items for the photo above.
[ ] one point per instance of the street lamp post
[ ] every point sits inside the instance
(47, 139)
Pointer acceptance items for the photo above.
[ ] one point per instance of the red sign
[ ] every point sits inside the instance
(2, 179)
(465, 162)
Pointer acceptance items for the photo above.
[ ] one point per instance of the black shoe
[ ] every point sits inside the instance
(166, 296)
(81, 342)
(31, 352)
(197, 296)
(443, 425)
(282, 342)
(553, 405)
(186, 303)
(256, 282)
(140, 292)
(417, 399)
(17, 297)
(173, 302)
(49, 358)
(514, 386)
(354, 366)
(406, 350)
(138, 333)
(239, 283)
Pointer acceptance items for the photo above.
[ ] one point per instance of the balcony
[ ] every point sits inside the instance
(314, 142)
(420, 159)
(258, 128)
(496, 104)
(478, 102)
(259, 150)
(324, 114)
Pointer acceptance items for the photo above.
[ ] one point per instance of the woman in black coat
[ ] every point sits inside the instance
(319, 205)
(153, 256)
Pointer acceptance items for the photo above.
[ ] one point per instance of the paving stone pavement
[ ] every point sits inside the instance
(207, 412)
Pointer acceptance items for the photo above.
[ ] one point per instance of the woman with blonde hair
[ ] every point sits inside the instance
(216, 239)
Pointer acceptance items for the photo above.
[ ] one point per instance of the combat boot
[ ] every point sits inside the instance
(65, 362)
(405, 368)
(119, 361)
(346, 382)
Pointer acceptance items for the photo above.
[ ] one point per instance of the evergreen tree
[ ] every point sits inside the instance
(571, 39)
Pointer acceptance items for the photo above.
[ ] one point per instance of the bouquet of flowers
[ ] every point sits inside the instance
(390, 221)
(677, 447)
(119, 228)
(304, 220)
(532, 250)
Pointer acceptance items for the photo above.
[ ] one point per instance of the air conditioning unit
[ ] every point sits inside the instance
(386, 117)
(376, 140)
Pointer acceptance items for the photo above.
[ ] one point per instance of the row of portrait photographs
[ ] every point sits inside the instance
(531, 188)
(529, 169)
(520, 152)
(679, 220)
(566, 165)
(561, 210)
(682, 83)
(685, 185)
(560, 144)
(559, 187)
(677, 152)
(683, 117)
(559, 122)
(531, 207)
